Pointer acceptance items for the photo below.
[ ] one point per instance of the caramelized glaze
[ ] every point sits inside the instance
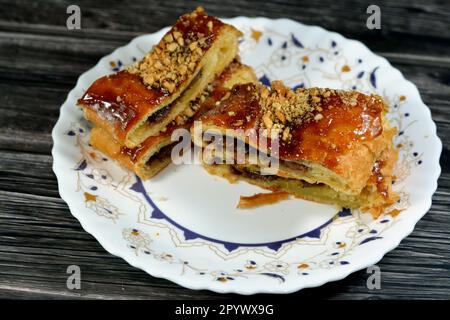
(218, 91)
(325, 140)
(261, 199)
(240, 111)
(320, 141)
(198, 24)
(135, 153)
(121, 98)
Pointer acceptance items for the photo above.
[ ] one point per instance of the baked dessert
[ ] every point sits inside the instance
(154, 153)
(334, 146)
(331, 146)
(139, 102)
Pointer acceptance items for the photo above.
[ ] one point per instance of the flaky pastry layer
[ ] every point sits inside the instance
(331, 142)
(154, 153)
(140, 101)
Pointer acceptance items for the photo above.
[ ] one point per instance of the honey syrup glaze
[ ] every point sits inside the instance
(331, 136)
(121, 98)
(124, 99)
(341, 124)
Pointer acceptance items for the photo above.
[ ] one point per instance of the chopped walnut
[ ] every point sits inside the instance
(177, 55)
(349, 98)
(283, 108)
(179, 120)
(286, 134)
(280, 116)
(268, 123)
(318, 116)
(226, 96)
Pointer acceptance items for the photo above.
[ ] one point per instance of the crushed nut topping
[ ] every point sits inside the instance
(283, 108)
(177, 55)
(194, 106)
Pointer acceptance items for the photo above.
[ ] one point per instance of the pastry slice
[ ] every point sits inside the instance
(334, 146)
(139, 102)
(154, 153)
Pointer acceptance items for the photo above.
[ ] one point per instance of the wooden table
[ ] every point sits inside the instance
(40, 61)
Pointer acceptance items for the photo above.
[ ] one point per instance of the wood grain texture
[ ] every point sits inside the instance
(40, 61)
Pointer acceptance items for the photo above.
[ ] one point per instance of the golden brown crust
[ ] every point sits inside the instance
(101, 140)
(175, 58)
(190, 55)
(117, 102)
(146, 159)
(339, 149)
(337, 130)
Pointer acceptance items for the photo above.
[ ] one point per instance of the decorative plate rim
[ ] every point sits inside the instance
(384, 246)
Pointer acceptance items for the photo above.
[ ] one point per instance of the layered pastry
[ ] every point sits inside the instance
(154, 153)
(333, 146)
(139, 102)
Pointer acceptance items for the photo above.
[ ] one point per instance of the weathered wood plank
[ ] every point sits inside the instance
(430, 17)
(26, 125)
(47, 223)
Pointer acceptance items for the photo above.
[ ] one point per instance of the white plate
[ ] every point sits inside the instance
(183, 225)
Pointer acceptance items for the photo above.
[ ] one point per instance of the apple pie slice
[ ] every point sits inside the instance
(154, 153)
(139, 102)
(334, 146)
